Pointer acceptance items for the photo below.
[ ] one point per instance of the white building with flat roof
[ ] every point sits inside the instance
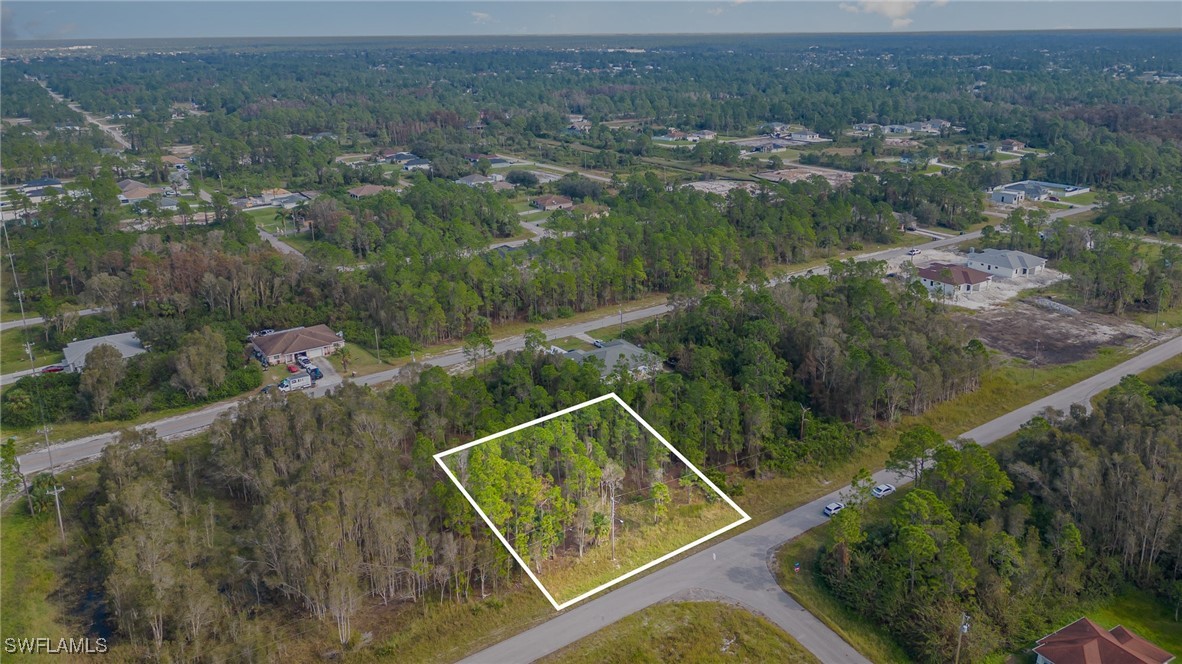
(127, 343)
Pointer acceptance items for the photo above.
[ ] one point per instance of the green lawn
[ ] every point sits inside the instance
(34, 566)
(1081, 199)
(12, 349)
(1144, 614)
(27, 578)
(686, 632)
(362, 360)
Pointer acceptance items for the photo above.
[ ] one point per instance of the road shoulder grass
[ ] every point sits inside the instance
(686, 632)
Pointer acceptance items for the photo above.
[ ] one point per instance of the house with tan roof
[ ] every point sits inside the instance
(367, 190)
(139, 194)
(284, 346)
(128, 183)
(1085, 642)
(550, 202)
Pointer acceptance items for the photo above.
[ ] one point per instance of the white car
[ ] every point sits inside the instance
(833, 508)
(883, 490)
(913, 252)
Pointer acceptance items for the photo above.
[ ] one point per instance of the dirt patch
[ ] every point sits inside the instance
(1044, 337)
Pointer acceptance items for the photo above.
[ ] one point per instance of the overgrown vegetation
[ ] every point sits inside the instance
(1085, 504)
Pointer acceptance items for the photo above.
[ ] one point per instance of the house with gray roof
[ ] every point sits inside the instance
(127, 343)
(1006, 263)
(1031, 190)
(619, 353)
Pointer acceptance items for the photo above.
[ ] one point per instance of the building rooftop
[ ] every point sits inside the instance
(367, 190)
(1085, 642)
(956, 275)
(127, 343)
(619, 352)
(1010, 258)
(296, 340)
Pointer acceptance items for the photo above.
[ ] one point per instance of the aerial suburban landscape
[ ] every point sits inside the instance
(804, 332)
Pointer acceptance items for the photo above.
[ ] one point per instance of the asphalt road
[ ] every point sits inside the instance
(81, 449)
(279, 245)
(37, 320)
(738, 568)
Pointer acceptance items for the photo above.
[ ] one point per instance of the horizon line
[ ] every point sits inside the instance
(883, 33)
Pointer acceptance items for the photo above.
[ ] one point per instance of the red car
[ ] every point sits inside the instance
(293, 368)
(53, 368)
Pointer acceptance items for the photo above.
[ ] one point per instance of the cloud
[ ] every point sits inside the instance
(481, 18)
(898, 11)
(714, 11)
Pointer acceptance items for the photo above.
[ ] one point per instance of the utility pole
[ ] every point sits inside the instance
(44, 427)
(25, 486)
(57, 503)
(377, 348)
(964, 629)
(613, 491)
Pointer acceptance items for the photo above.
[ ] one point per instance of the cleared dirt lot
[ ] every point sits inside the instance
(1041, 337)
(997, 293)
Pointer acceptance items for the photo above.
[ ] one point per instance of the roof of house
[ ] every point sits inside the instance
(367, 190)
(126, 184)
(1010, 258)
(419, 162)
(1031, 189)
(170, 159)
(127, 343)
(1085, 642)
(956, 275)
(277, 191)
(550, 199)
(296, 340)
(617, 352)
(140, 193)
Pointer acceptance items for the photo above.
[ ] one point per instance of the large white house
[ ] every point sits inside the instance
(1006, 263)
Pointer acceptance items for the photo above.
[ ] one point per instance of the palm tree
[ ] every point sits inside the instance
(282, 215)
(346, 356)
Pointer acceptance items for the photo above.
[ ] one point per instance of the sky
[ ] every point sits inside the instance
(79, 20)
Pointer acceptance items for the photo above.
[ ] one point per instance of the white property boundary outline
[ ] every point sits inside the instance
(513, 552)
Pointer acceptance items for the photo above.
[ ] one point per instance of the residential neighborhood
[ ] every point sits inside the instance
(562, 332)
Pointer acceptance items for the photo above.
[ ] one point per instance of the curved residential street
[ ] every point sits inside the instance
(738, 567)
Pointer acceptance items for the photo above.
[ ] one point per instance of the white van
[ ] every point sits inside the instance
(297, 381)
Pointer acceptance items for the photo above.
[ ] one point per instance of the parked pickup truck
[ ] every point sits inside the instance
(295, 382)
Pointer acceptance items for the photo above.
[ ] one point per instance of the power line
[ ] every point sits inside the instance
(20, 298)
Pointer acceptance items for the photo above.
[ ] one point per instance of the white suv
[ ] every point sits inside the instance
(833, 508)
(883, 490)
